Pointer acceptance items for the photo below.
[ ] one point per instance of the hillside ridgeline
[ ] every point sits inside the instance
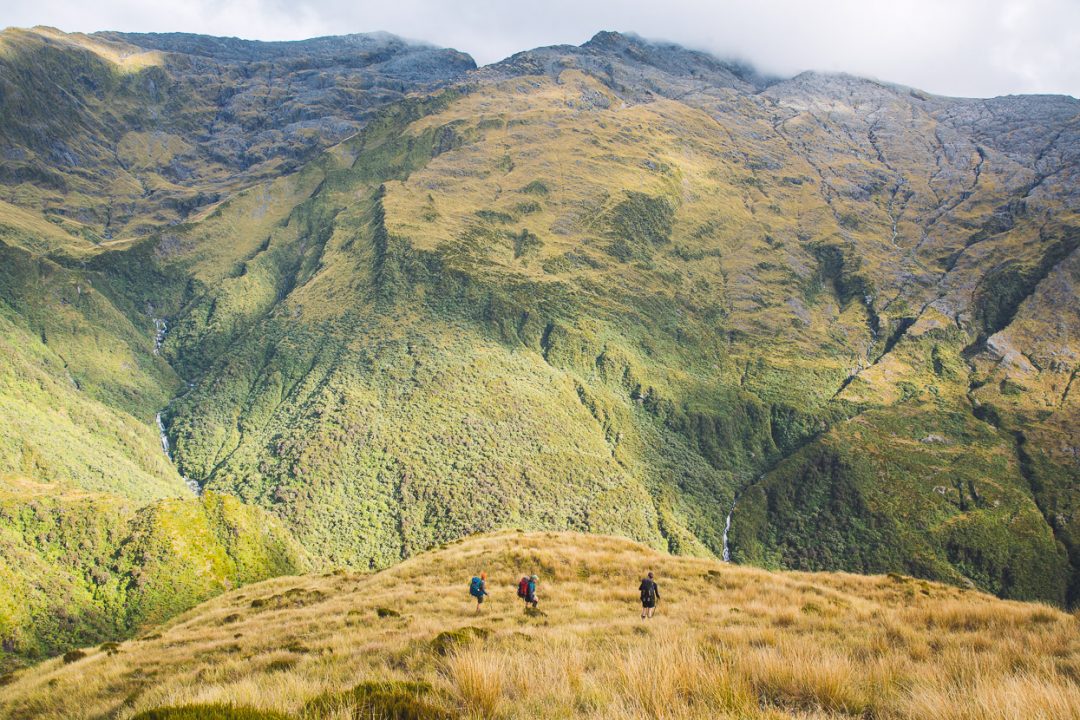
(727, 642)
(616, 288)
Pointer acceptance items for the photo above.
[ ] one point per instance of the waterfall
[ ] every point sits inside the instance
(193, 485)
(164, 436)
(727, 529)
(159, 338)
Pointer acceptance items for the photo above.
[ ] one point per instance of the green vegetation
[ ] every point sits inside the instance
(639, 223)
(82, 568)
(448, 641)
(391, 700)
(73, 656)
(592, 313)
(871, 497)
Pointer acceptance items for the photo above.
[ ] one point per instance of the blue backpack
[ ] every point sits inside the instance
(476, 588)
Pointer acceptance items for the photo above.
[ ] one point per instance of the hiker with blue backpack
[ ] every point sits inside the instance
(478, 589)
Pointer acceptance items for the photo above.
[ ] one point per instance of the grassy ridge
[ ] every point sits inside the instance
(727, 641)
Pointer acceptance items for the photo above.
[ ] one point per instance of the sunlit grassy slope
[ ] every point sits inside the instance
(104, 142)
(727, 642)
(607, 288)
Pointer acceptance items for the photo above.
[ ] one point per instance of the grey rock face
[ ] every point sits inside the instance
(246, 109)
(635, 68)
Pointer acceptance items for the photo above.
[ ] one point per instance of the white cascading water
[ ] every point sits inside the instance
(159, 338)
(164, 437)
(727, 529)
(194, 486)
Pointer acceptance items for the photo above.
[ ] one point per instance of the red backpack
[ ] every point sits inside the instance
(523, 587)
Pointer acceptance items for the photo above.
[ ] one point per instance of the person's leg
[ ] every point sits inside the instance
(643, 611)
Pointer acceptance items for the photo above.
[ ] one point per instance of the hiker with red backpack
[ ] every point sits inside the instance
(527, 591)
(478, 589)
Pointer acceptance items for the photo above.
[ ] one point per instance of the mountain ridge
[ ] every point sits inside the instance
(599, 288)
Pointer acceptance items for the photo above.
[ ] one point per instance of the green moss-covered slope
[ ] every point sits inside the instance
(80, 568)
(610, 288)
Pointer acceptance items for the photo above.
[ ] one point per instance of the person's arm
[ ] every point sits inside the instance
(656, 591)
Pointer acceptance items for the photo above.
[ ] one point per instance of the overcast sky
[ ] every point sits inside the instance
(954, 47)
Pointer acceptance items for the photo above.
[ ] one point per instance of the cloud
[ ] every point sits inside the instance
(956, 47)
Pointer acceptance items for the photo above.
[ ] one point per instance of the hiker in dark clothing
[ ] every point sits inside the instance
(650, 593)
(478, 589)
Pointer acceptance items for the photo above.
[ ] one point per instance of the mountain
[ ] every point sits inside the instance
(116, 134)
(726, 641)
(106, 141)
(624, 288)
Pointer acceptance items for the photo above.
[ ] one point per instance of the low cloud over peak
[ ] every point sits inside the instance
(963, 47)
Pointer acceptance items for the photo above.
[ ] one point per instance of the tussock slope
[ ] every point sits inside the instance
(727, 642)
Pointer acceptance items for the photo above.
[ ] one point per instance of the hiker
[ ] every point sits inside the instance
(527, 591)
(650, 593)
(478, 589)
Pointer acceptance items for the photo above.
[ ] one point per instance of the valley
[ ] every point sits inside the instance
(268, 308)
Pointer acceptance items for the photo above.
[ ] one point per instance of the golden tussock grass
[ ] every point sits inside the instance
(727, 642)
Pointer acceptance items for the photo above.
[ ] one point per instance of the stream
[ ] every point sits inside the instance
(727, 529)
(192, 484)
(159, 339)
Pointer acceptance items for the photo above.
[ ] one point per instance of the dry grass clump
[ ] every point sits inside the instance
(1015, 697)
(806, 676)
(477, 681)
(678, 675)
(727, 642)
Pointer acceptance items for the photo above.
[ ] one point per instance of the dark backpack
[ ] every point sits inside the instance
(523, 587)
(476, 588)
(648, 591)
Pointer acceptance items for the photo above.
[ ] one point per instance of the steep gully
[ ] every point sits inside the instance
(159, 339)
(193, 485)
